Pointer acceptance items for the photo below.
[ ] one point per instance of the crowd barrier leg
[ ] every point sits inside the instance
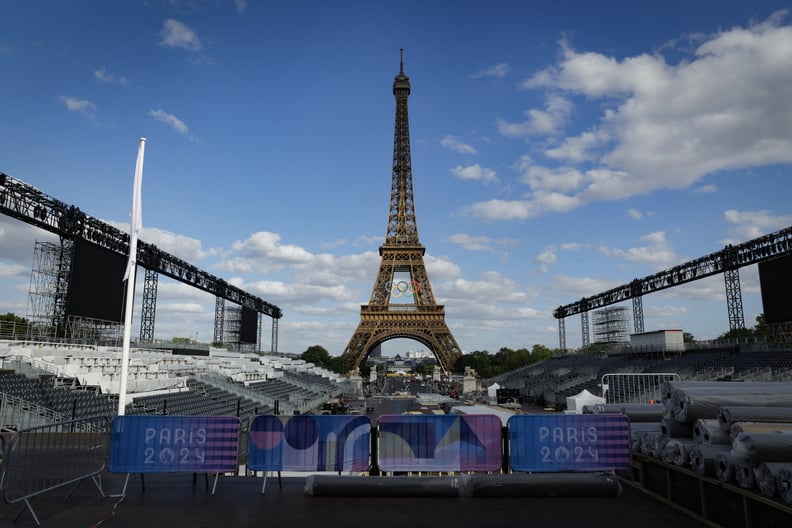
(264, 484)
(123, 489)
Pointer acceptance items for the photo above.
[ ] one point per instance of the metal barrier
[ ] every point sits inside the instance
(635, 388)
(44, 458)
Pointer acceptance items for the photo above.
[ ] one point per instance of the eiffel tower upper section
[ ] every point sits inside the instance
(402, 227)
(402, 250)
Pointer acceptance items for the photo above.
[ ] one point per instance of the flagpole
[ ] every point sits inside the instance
(134, 228)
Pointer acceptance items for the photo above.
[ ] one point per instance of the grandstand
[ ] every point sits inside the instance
(47, 382)
(551, 381)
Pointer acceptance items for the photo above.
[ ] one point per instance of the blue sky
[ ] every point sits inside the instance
(559, 149)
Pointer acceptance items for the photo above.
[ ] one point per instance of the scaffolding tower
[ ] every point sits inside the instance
(610, 326)
(49, 288)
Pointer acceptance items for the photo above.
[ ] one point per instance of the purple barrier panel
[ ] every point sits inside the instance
(436, 442)
(161, 444)
(569, 442)
(310, 443)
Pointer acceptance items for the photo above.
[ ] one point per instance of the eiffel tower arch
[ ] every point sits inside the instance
(402, 304)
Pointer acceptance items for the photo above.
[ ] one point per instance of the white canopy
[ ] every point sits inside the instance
(575, 403)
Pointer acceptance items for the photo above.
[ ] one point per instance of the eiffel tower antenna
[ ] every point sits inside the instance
(402, 306)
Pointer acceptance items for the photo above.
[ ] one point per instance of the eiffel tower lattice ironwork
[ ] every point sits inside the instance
(402, 304)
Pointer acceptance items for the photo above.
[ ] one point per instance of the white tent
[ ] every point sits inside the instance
(492, 390)
(575, 403)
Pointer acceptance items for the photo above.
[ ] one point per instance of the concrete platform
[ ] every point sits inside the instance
(179, 501)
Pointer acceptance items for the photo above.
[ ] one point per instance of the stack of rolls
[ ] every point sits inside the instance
(737, 432)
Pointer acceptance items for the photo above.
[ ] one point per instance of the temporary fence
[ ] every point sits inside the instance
(174, 444)
(635, 388)
(40, 459)
(439, 443)
(309, 443)
(44, 458)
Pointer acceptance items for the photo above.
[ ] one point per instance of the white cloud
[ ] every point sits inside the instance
(706, 189)
(474, 172)
(577, 287)
(546, 257)
(491, 286)
(539, 122)
(580, 148)
(102, 75)
(654, 250)
(452, 143)
(8, 271)
(498, 70)
(241, 5)
(561, 179)
(502, 209)
(481, 243)
(728, 106)
(635, 214)
(81, 106)
(549, 255)
(171, 120)
(440, 268)
(747, 225)
(263, 249)
(174, 34)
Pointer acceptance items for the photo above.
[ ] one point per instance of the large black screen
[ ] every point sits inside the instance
(775, 279)
(248, 332)
(96, 286)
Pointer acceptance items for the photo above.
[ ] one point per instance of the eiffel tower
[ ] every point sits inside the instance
(402, 306)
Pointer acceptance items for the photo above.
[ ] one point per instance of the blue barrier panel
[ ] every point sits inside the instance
(569, 442)
(162, 444)
(310, 443)
(436, 442)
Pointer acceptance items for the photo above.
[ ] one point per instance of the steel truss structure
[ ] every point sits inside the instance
(727, 261)
(402, 272)
(26, 203)
(610, 325)
(49, 288)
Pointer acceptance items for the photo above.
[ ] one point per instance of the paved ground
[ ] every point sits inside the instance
(175, 501)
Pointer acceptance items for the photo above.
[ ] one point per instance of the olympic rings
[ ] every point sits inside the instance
(402, 288)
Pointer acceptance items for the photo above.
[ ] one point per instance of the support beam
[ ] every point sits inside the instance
(274, 344)
(584, 330)
(638, 316)
(562, 335)
(734, 299)
(219, 319)
(149, 309)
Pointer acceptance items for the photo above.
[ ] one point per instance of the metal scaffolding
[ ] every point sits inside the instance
(49, 287)
(610, 325)
(149, 310)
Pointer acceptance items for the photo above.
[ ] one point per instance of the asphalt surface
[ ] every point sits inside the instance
(180, 501)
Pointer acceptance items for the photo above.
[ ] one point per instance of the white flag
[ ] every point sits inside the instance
(136, 222)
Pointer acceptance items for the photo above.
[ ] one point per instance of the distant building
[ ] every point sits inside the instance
(659, 340)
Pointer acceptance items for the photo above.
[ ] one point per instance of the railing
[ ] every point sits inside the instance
(47, 457)
(635, 388)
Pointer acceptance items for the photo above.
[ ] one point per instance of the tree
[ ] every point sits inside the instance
(317, 355)
(540, 352)
(13, 326)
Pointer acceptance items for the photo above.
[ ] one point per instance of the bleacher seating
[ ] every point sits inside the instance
(77, 382)
(553, 380)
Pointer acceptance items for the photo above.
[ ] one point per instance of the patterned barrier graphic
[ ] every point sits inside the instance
(439, 443)
(580, 442)
(160, 444)
(310, 443)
